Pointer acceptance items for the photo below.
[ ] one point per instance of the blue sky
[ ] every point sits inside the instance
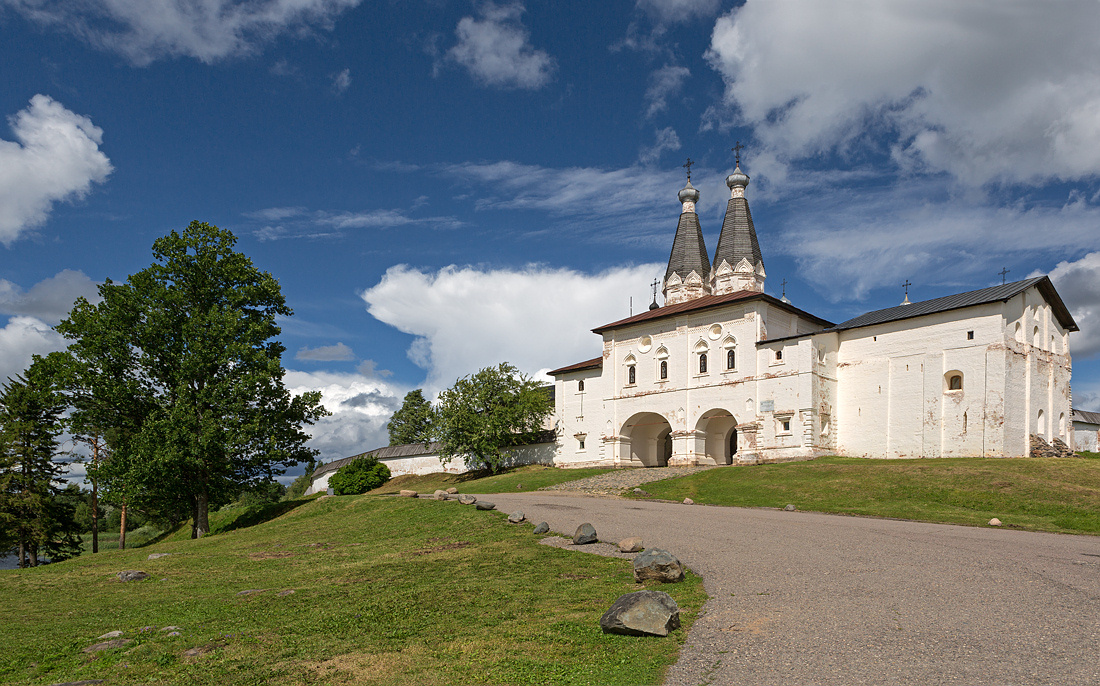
(440, 186)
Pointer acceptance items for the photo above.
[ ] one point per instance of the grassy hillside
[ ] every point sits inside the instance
(356, 589)
(1037, 494)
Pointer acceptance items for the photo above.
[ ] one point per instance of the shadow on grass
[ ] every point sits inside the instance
(251, 516)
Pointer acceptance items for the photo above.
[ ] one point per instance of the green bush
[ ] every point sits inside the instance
(359, 476)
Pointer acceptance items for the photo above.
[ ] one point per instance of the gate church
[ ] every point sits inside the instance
(724, 373)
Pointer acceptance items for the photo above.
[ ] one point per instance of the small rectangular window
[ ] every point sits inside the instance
(778, 354)
(786, 425)
(969, 335)
(581, 444)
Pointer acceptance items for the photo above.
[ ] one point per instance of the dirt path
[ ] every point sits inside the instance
(809, 599)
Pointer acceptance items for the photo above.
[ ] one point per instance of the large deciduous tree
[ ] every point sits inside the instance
(483, 413)
(412, 423)
(198, 337)
(32, 515)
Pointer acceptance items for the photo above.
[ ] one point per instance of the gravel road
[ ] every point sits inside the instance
(806, 599)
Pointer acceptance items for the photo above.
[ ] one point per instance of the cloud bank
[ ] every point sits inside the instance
(55, 157)
(495, 49)
(986, 91)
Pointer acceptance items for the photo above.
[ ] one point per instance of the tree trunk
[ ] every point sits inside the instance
(122, 530)
(33, 550)
(22, 554)
(95, 497)
(202, 515)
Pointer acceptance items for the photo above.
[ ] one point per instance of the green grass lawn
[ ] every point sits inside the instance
(1038, 494)
(518, 480)
(385, 591)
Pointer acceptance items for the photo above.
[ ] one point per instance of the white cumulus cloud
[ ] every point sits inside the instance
(21, 338)
(988, 91)
(55, 157)
(536, 318)
(326, 353)
(1078, 283)
(208, 30)
(361, 406)
(495, 48)
(50, 299)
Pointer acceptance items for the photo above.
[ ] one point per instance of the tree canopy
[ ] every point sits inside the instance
(359, 476)
(182, 367)
(485, 412)
(412, 423)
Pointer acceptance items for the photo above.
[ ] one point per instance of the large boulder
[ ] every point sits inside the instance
(642, 613)
(516, 517)
(631, 545)
(484, 505)
(659, 565)
(541, 528)
(407, 493)
(585, 533)
(439, 494)
(467, 499)
(452, 490)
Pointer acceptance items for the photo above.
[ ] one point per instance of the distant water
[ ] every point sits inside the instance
(9, 562)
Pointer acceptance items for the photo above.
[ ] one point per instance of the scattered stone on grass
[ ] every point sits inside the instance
(542, 528)
(516, 517)
(440, 494)
(107, 645)
(994, 522)
(406, 493)
(642, 613)
(519, 487)
(112, 634)
(283, 594)
(467, 499)
(198, 650)
(631, 545)
(452, 490)
(689, 501)
(638, 491)
(485, 505)
(157, 556)
(659, 565)
(251, 591)
(86, 682)
(170, 628)
(789, 508)
(132, 575)
(174, 633)
(585, 533)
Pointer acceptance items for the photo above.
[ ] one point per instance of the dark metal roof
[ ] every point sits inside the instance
(1000, 293)
(387, 453)
(738, 238)
(689, 253)
(594, 363)
(707, 302)
(1086, 417)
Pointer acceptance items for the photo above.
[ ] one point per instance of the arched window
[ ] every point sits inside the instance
(702, 363)
(1035, 341)
(664, 369)
(580, 385)
(1062, 424)
(1041, 424)
(955, 383)
(631, 377)
(731, 359)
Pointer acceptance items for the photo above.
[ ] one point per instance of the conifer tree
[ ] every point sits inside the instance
(412, 423)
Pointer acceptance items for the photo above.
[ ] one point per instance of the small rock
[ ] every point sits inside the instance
(638, 491)
(542, 528)
(519, 487)
(642, 613)
(789, 508)
(439, 494)
(516, 517)
(196, 651)
(485, 505)
(174, 633)
(452, 490)
(112, 634)
(170, 628)
(689, 501)
(132, 575)
(283, 594)
(107, 645)
(994, 522)
(405, 493)
(585, 533)
(157, 556)
(467, 499)
(658, 564)
(630, 545)
(86, 682)
(251, 591)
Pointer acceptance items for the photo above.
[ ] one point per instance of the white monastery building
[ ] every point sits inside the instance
(724, 373)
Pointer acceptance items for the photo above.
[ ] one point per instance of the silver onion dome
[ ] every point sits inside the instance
(737, 178)
(689, 194)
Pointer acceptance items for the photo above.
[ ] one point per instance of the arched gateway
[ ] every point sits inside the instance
(646, 438)
(716, 437)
